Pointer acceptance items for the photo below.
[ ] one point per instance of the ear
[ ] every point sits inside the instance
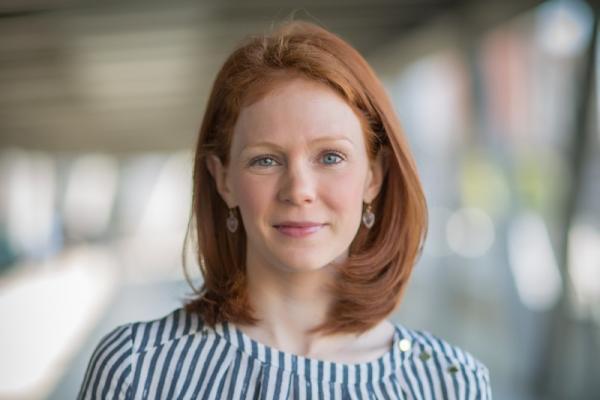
(219, 174)
(377, 169)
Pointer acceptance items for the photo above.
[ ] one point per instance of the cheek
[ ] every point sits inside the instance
(341, 191)
(254, 196)
(345, 191)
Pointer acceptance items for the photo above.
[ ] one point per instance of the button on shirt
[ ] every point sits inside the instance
(180, 357)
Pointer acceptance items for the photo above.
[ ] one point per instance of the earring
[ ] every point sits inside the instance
(232, 221)
(368, 218)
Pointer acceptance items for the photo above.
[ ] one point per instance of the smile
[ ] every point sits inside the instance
(298, 231)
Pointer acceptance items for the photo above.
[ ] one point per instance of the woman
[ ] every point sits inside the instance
(309, 216)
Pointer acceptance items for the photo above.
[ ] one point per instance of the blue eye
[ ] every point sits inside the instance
(331, 156)
(259, 161)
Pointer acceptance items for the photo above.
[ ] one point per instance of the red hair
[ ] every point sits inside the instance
(371, 281)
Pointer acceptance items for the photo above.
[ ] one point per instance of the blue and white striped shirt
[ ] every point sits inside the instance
(179, 357)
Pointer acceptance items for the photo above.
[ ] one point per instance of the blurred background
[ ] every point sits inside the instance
(100, 103)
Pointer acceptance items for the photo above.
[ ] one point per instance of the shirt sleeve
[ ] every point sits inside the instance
(109, 369)
(456, 373)
(484, 389)
(473, 375)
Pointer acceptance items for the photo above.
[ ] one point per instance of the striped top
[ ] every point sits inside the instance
(179, 357)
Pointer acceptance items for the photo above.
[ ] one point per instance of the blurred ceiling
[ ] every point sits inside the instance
(128, 76)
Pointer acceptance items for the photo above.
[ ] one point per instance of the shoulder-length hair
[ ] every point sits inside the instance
(371, 281)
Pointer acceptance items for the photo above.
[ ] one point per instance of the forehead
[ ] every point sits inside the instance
(297, 111)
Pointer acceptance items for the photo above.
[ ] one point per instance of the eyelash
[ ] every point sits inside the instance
(254, 161)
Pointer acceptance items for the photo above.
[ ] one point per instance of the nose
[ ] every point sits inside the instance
(298, 184)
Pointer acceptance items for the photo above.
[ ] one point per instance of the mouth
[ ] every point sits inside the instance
(298, 229)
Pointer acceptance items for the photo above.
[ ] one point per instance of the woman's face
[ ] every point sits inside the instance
(298, 155)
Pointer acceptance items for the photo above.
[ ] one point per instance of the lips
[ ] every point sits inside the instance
(302, 224)
(298, 229)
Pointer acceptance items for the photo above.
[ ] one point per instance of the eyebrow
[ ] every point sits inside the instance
(321, 139)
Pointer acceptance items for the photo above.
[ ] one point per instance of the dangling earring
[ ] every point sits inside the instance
(232, 221)
(368, 218)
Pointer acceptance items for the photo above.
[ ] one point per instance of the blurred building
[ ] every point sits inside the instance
(100, 103)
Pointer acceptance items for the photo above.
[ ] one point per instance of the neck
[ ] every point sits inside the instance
(289, 304)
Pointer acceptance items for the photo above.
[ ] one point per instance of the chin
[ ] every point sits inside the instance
(305, 263)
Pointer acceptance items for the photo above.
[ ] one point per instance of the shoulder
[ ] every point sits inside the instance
(431, 364)
(109, 366)
(110, 370)
(177, 325)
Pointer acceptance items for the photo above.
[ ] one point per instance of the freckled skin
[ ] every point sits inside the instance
(300, 185)
(301, 175)
(302, 181)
